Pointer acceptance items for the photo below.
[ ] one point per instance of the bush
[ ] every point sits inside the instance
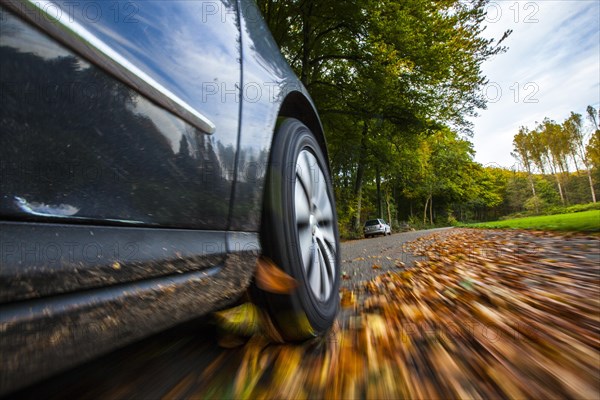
(452, 221)
(416, 223)
(535, 204)
(582, 207)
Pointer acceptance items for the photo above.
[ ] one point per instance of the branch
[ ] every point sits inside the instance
(334, 57)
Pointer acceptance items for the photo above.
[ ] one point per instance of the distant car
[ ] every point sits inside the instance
(145, 155)
(376, 227)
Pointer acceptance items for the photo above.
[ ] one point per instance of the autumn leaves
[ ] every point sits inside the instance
(487, 314)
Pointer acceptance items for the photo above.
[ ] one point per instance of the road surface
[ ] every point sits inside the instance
(443, 313)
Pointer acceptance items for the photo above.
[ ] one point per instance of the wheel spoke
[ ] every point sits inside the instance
(329, 251)
(302, 205)
(303, 173)
(325, 282)
(325, 214)
(306, 245)
(314, 273)
(321, 200)
(328, 235)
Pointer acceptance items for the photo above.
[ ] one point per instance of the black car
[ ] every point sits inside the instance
(150, 153)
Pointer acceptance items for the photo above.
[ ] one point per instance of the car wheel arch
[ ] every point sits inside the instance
(297, 105)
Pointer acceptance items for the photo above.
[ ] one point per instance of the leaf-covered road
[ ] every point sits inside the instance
(481, 314)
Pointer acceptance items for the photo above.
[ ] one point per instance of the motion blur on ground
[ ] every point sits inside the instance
(457, 313)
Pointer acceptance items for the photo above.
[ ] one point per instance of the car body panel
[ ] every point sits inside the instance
(42, 337)
(132, 186)
(149, 166)
(268, 84)
(42, 259)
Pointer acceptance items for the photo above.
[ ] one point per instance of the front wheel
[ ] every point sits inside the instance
(299, 233)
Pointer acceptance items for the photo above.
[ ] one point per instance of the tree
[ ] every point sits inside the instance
(573, 126)
(382, 72)
(593, 150)
(522, 152)
(591, 114)
(556, 145)
(593, 146)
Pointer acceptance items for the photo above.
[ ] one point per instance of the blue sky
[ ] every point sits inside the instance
(552, 67)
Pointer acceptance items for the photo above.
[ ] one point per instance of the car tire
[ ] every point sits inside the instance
(299, 234)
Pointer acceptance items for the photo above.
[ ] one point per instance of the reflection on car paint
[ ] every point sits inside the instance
(85, 36)
(184, 53)
(73, 135)
(60, 210)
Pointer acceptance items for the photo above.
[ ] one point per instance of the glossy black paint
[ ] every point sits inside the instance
(78, 145)
(90, 153)
(270, 90)
(196, 54)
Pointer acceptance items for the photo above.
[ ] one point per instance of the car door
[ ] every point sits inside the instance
(127, 117)
(119, 125)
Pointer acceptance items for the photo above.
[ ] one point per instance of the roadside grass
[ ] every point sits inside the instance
(585, 221)
(554, 210)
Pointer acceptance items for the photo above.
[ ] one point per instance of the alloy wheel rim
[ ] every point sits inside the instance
(315, 225)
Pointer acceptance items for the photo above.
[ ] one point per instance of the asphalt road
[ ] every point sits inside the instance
(366, 258)
(156, 366)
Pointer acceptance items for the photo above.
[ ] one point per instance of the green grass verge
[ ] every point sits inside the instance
(586, 221)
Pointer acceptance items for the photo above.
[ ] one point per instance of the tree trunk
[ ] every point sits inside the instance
(431, 210)
(359, 178)
(589, 174)
(588, 170)
(564, 173)
(425, 210)
(575, 162)
(358, 196)
(378, 181)
(389, 212)
(560, 191)
(531, 181)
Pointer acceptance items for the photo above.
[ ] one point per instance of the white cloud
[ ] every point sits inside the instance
(552, 67)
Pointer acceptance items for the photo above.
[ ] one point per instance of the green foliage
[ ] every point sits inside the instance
(386, 76)
(573, 209)
(394, 82)
(582, 207)
(588, 221)
(593, 149)
(534, 204)
(451, 220)
(546, 190)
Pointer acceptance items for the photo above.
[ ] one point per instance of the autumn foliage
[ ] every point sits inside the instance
(489, 314)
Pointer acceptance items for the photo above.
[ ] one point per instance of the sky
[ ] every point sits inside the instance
(552, 67)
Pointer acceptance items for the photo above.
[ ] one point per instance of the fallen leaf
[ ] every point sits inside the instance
(272, 279)
(348, 299)
(241, 320)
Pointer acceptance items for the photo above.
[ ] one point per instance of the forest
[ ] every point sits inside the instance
(395, 84)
